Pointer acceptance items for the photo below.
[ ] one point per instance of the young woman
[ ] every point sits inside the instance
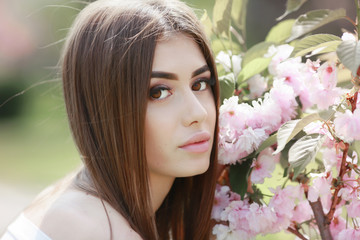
(141, 93)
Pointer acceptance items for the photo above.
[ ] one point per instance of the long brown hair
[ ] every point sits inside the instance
(107, 65)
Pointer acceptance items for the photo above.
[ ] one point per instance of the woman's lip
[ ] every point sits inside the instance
(198, 143)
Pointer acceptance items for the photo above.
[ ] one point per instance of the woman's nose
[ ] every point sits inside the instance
(193, 110)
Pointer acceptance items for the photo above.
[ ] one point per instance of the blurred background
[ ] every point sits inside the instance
(36, 147)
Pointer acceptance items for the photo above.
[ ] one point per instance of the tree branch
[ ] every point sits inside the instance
(321, 220)
(297, 233)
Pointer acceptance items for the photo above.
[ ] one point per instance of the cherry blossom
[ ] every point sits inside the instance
(263, 166)
(347, 125)
(257, 86)
(229, 62)
(278, 54)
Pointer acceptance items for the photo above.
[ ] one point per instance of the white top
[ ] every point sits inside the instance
(23, 229)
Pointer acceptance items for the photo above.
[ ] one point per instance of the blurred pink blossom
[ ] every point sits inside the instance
(347, 125)
(263, 166)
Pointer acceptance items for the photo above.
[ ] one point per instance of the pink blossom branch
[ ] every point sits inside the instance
(321, 220)
(336, 198)
(296, 233)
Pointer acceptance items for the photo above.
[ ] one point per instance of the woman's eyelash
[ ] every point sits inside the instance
(159, 92)
(209, 81)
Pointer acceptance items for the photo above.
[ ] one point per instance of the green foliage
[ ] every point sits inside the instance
(222, 16)
(227, 86)
(317, 44)
(252, 68)
(267, 143)
(239, 174)
(206, 21)
(238, 13)
(291, 128)
(280, 32)
(349, 54)
(291, 6)
(313, 20)
(356, 147)
(256, 51)
(303, 152)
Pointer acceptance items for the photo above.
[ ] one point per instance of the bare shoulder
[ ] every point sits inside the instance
(75, 214)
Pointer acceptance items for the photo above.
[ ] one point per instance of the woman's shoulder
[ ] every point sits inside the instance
(73, 214)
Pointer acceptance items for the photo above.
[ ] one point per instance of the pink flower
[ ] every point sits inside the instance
(278, 54)
(266, 115)
(230, 150)
(283, 204)
(234, 115)
(257, 86)
(321, 128)
(290, 71)
(350, 192)
(302, 212)
(263, 166)
(322, 88)
(331, 158)
(223, 232)
(321, 187)
(349, 234)
(353, 209)
(347, 125)
(223, 197)
(337, 225)
(284, 97)
(251, 139)
(249, 219)
(323, 98)
(327, 75)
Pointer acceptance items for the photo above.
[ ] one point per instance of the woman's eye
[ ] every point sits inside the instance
(200, 85)
(159, 93)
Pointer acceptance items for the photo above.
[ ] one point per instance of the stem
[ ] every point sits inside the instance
(321, 220)
(336, 198)
(357, 17)
(353, 102)
(297, 233)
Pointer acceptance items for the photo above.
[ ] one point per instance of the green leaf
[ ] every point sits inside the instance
(218, 45)
(254, 67)
(314, 19)
(349, 54)
(222, 15)
(239, 174)
(291, 128)
(227, 86)
(280, 32)
(304, 151)
(238, 13)
(291, 6)
(319, 43)
(256, 51)
(267, 143)
(356, 147)
(206, 21)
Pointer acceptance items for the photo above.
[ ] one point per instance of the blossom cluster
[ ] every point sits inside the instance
(287, 87)
(244, 126)
(247, 219)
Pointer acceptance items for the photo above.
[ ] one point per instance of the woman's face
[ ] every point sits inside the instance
(181, 113)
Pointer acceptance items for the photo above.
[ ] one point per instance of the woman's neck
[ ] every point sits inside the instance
(159, 188)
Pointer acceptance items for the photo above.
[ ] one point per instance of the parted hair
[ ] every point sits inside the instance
(106, 70)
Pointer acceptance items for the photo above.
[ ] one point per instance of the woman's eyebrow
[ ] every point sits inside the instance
(173, 76)
(167, 75)
(200, 70)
